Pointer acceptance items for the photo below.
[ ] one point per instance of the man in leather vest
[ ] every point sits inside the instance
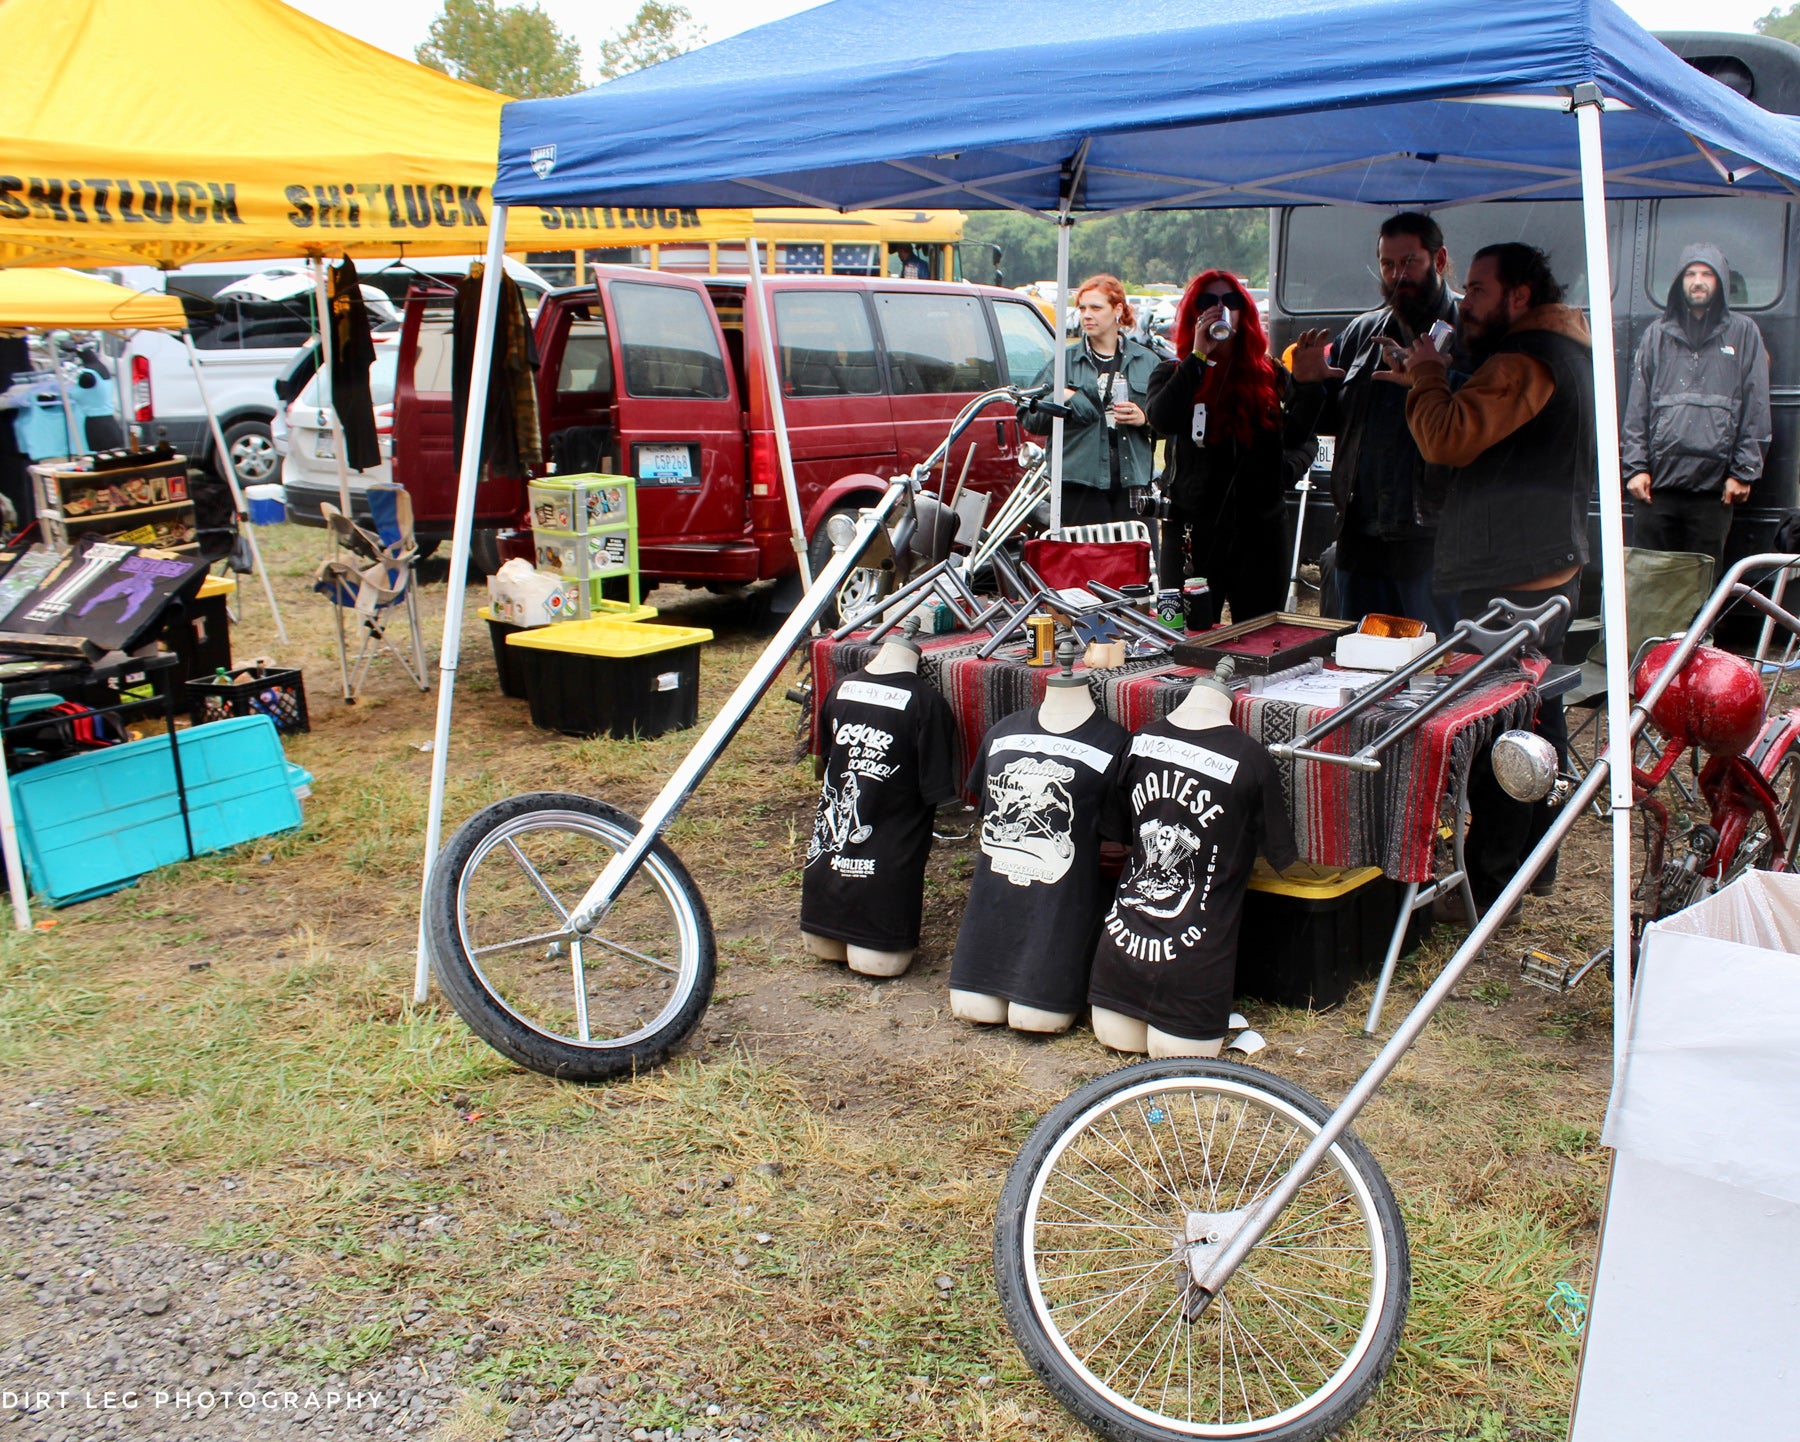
(1384, 539)
(1518, 437)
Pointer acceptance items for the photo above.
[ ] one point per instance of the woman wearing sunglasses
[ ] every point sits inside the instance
(1235, 448)
(1107, 446)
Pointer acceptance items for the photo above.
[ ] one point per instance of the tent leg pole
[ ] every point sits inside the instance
(765, 330)
(1612, 551)
(454, 591)
(237, 495)
(9, 846)
(1059, 368)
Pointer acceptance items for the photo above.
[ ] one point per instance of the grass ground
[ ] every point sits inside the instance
(797, 1211)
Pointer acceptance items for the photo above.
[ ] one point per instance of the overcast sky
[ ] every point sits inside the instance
(399, 25)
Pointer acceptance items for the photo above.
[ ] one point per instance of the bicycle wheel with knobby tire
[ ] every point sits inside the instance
(582, 1008)
(1093, 1236)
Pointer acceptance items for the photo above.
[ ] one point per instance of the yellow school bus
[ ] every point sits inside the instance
(910, 244)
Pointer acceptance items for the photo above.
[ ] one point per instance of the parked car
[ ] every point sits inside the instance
(246, 320)
(309, 472)
(660, 376)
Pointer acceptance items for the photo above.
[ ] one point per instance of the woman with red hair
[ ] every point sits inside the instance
(1107, 446)
(1235, 447)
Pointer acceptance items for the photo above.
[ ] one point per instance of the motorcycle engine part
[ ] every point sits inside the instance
(1716, 702)
(1524, 765)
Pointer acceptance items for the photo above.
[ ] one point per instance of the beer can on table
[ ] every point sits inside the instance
(1196, 604)
(1043, 639)
(1169, 608)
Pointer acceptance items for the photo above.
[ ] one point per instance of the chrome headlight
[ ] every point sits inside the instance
(840, 530)
(1524, 765)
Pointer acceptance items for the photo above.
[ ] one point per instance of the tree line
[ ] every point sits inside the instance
(1147, 247)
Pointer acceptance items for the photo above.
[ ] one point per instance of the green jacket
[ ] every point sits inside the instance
(1085, 461)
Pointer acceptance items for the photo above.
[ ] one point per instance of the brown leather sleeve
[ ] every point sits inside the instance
(1453, 428)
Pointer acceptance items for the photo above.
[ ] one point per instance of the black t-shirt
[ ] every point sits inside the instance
(1034, 903)
(890, 761)
(1201, 804)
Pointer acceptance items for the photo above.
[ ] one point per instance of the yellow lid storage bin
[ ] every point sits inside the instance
(1312, 933)
(509, 666)
(611, 678)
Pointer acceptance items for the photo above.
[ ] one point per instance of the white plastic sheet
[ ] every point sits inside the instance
(1713, 1067)
(1696, 1297)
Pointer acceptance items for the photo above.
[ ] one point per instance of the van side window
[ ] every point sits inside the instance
(1328, 258)
(827, 346)
(232, 324)
(431, 371)
(1025, 339)
(587, 366)
(668, 343)
(937, 344)
(1752, 233)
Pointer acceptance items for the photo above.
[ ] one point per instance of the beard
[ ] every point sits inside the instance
(1480, 347)
(1417, 305)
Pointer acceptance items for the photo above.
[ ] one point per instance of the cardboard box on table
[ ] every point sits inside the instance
(1696, 1298)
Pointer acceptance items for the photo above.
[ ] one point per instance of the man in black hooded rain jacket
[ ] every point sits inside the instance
(1697, 420)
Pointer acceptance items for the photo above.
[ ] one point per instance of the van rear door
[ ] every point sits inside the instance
(678, 427)
(424, 454)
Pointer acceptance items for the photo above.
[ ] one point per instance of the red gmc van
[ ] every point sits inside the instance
(660, 376)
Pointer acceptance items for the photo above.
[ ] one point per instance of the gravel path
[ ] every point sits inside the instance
(113, 1324)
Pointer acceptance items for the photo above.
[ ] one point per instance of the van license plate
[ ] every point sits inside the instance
(1327, 451)
(325, 451)
(664, 463)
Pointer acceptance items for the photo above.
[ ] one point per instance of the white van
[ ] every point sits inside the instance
(244, 341)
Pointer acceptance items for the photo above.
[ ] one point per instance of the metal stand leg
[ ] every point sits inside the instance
(1409, 903)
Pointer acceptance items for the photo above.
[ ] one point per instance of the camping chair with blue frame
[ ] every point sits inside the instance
(370, 573)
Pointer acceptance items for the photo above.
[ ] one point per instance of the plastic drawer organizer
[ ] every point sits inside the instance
(94, 823)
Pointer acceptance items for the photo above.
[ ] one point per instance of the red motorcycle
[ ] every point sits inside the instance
(1748, 781)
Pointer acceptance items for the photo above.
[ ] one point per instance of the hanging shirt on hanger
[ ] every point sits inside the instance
(1202, 804)
(352, 353)
(1035, 900)
(890, 762)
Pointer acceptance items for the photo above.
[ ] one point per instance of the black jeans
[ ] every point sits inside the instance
(1253, 579)
(1683, 521)
(1503, 831)
(1092, 506)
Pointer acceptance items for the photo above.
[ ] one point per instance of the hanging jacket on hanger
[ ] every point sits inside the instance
(352, 353)
(510, 442)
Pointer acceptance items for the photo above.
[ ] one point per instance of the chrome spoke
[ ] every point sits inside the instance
(536, 940)
(543, 887)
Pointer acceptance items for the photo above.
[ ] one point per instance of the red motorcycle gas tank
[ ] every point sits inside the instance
(1716, 702)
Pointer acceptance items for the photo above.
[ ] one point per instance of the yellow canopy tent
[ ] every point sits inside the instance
(301, 141)
(67, 299)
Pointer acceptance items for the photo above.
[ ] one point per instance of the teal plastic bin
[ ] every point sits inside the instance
(92, 824)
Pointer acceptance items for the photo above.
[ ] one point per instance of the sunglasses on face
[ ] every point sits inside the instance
(1230, 299)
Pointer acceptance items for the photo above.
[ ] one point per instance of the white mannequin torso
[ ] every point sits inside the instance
(1066, 705)
(1205, 706)
(894, 656)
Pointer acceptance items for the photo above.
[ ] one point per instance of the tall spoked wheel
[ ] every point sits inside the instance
(583, 1008)
(1098, 1216)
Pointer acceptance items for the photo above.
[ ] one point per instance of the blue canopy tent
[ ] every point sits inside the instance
(1076, 111)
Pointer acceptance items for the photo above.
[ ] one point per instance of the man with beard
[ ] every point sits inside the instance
(1384, 531)
(1518, 437)
(1698, 415)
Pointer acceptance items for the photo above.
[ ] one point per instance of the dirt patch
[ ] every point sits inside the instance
(247, 1018)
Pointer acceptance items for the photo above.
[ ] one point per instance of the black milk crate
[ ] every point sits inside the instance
(275, 692)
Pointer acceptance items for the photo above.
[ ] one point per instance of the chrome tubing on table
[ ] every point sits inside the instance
(1368, 758)
(1213, 1278)
(598, 898)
